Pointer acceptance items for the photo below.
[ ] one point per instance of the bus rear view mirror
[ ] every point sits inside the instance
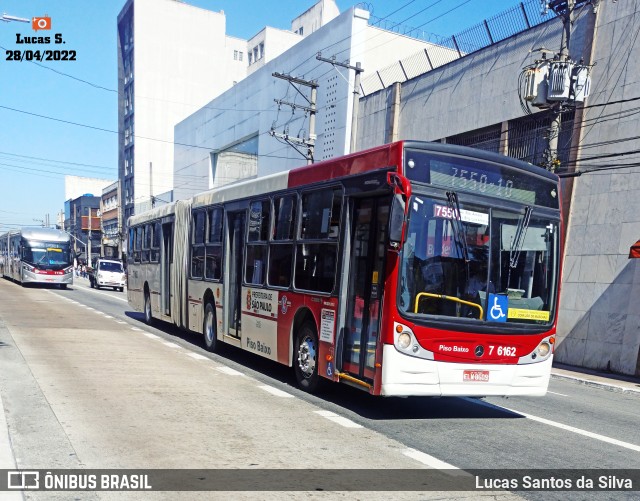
(396, 220)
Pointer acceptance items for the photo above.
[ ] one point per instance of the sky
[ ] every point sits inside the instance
(59, 118)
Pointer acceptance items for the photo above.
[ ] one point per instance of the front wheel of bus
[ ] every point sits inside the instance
(148, 316)
(209, 328)
(306, 358)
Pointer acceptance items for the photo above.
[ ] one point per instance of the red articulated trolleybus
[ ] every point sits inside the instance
(413, 268)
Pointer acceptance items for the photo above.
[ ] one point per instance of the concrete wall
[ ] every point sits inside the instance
(600, 302)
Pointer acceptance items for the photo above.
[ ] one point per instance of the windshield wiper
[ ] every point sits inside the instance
(518, 240)
(456, 222)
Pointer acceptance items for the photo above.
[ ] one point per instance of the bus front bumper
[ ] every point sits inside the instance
(403, 375)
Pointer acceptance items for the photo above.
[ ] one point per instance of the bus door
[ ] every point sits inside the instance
(366, 274)
(236, 222)
(166, 258)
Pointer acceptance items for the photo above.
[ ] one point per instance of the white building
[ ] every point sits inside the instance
(172, 58)
(229, 138)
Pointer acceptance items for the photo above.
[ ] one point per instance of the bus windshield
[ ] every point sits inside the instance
(46, 255)
(478, 262)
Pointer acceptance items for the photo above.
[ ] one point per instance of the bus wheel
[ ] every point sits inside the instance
(306, 358)
(148, 316)
(63, 286)
(209, 328)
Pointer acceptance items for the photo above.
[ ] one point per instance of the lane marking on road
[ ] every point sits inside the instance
(121, 321)
(555, 393)
(197, 356)
(428, 460)
(99, 292)
(136, 329)
(149, 335)
(566, 427)
(171, 345)
(275, 391)
(342, 421)
(229, 371)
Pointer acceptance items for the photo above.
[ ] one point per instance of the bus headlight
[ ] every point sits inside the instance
(404, 340)
(543, 349)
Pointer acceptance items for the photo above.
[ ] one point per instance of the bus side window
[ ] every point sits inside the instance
(213, 249)
(281, 246)
(137, 244)
(197, 244)
(317, 248)
(257, 236)
(155, 242)
(146, 243)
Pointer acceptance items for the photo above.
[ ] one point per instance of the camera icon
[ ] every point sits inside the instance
(41, 23)
(23, 480)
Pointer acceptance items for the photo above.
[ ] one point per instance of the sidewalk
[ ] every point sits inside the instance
(599, 379)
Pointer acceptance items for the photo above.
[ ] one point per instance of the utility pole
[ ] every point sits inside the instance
(554, 129)
(89, 240)
(310, 142)
(556, 84)
(356, 95)
(153, 201)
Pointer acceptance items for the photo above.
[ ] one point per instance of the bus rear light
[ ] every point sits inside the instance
(329, 358)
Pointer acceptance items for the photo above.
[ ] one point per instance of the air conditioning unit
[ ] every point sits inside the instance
(581, 83)
(560, 74)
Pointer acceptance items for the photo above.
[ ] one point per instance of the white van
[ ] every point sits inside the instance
(108, 273)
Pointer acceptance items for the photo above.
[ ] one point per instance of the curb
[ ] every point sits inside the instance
(597, 384)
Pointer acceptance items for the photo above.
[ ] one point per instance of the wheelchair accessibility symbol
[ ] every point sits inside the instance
(498, 308)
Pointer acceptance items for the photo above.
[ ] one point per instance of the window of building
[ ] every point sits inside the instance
(261, 49)
(250, 59)
(239, 56)
(235, 55)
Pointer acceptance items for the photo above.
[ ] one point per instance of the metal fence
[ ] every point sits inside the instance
(441, 51)
(527, 138)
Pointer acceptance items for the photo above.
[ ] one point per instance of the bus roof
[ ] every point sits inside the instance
(39, 233)
(360, 162)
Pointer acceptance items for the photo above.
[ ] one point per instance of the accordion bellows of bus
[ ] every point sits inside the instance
(413, 268)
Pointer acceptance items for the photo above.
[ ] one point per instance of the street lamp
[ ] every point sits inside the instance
(6, 18)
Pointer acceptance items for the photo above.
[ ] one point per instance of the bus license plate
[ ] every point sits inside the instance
(475, 376)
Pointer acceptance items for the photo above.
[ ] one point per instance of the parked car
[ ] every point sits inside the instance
(107, 273)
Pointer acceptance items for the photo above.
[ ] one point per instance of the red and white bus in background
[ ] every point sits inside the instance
(413, 268)
(37, 256)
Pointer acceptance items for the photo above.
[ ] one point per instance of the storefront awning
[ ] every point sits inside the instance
(634, 252)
